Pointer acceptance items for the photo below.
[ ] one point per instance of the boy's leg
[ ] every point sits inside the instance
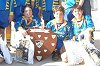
(2, 32)
(1, 60)
(56, 53)
(1, 35)
(88, 61)
(88, 36)
(63, 54)
(87, 7)
(31, 53)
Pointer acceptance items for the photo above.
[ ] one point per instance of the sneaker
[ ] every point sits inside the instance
(55, 56)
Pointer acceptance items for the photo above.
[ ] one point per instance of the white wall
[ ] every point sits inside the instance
(96, 15)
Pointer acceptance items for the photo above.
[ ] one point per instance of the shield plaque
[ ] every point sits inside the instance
(44, 41)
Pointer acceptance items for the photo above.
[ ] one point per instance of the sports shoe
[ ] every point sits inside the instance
(55, 56)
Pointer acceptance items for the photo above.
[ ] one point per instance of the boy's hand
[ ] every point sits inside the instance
(74, 38)
(11, 18)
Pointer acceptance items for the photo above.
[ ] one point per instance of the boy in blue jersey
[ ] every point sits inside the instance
(83, 29)
(47, 9)
(37, 8)
(6, 14)
(83, 25)
(60, 27)
(6, 10)
(68, 4)
(27, 21)
(18, 9)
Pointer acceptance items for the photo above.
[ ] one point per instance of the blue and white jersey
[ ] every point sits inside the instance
(22, 23)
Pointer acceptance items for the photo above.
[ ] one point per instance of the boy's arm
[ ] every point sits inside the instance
(90, 24)
(18, 25)
(80, 4)
(32, 3)
(40, 8)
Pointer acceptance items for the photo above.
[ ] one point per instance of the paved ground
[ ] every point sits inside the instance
(49, 62)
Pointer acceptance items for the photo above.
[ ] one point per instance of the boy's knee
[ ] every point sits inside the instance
(1, 60)
(64, 57)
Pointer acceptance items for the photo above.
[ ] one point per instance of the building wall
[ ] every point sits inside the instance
(96, 15)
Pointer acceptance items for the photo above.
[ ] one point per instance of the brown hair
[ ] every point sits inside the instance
(27, 5)
(58, 8)
(76, 6)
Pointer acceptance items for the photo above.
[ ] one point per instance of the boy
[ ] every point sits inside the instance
(82, 33)
(18, 9)
(27, 19)
(6, 10)
(60, 28)
(25, 23)
(68, 4)
(4, 52)
(83, 26)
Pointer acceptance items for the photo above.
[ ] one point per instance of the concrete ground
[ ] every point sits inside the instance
(49, 62)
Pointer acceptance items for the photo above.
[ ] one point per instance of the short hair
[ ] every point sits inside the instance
(58, 8)
(27, 5)
(76, 6)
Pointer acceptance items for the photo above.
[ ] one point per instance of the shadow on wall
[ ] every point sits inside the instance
(94, 5)
(97, 44)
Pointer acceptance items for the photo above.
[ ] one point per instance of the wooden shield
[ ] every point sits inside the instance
(44, 41)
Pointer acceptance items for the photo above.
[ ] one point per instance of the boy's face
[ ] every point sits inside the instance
(77, 13)
(28, 12)
(59, 15)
